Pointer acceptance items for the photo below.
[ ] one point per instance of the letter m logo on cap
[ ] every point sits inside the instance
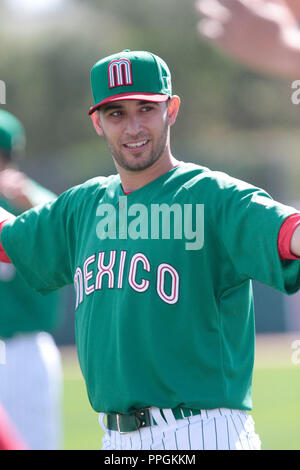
(119, 73)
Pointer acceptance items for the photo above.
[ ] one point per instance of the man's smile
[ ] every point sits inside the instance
(136, 146)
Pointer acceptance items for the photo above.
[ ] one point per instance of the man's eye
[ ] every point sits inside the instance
(116, 114)
(147, 108)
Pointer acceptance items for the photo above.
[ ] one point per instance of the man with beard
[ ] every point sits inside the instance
(161, 255)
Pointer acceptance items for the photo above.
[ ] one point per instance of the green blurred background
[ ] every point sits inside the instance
(231, 119)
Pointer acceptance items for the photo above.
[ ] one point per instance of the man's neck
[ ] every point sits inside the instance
(132, 180)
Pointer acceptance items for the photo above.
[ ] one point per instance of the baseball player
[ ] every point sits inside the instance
(30, 379)
(161, 255)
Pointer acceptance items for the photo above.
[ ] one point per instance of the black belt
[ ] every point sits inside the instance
(124, 423)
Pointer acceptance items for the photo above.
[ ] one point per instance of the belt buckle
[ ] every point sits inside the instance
(142, 417)
(140, 420)
(118, 424)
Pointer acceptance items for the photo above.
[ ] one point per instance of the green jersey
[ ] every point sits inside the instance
(164, 305)
(23, 310)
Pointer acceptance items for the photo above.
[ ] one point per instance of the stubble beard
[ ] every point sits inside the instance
(139, 163)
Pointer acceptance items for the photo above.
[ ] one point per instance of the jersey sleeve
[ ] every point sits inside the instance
(248, 223)
(40, 242)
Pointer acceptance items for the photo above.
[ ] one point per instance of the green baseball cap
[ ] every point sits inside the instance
(12, 133)
(135, 75)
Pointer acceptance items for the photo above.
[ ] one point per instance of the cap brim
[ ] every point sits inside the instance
(156, 98)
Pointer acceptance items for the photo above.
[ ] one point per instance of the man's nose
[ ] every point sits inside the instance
(133, 125)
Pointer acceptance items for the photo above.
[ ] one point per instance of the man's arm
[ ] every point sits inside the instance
(263, 35)
(20, 191)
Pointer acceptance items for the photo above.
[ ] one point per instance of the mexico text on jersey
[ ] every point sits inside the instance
(87, 281)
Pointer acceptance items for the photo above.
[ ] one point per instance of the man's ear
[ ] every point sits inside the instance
(173, 108)
(97, 123)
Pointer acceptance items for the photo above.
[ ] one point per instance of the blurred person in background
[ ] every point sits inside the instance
(31, 378)
(263, 35)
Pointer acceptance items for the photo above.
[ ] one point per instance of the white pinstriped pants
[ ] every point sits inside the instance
(219, 429)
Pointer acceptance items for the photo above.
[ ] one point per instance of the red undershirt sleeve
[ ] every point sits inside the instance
(285, 234)
(3, 256)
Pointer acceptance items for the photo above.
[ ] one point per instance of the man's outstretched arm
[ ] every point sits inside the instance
(288, 240)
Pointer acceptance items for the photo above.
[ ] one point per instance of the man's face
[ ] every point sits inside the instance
(136, 132)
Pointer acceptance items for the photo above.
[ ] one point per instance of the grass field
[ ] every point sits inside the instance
(276, 398)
